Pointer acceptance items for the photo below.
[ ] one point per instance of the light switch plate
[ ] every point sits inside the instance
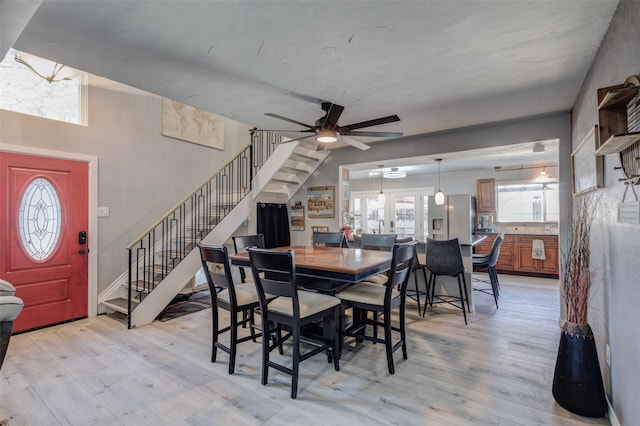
(103, 211)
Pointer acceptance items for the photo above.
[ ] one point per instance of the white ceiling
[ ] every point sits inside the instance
(437, 64)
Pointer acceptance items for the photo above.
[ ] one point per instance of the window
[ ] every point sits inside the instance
(528, 202)
(24, 91)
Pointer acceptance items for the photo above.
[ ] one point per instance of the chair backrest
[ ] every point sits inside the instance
(402, 261)
(404, 239)
(215, 263)
(330, 239)
(382, 242)
(274, 273)
(241, 242)
(494, 253)
(444, 257)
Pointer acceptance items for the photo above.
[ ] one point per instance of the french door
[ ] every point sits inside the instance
(44, 220)
(403, 213)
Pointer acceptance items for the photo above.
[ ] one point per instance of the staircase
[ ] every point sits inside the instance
(162, 261)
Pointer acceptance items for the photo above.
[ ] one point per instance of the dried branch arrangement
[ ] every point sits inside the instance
(575, 263)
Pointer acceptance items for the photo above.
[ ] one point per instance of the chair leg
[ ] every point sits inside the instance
(403, 329)
(415, 280)
(493, 278)
(296, 361)
(464, 311)
(337, 337)
(265, 350)
(214, 334)
(426, 283)
(387, 342)
(233, 340)
(252, 324)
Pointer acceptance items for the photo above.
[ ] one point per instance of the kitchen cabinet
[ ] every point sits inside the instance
(486, 195)
(527, 264)
(515, 254)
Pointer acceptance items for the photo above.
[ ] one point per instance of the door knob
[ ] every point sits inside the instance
(82, 251)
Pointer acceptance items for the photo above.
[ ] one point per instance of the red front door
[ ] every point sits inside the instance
(44, 212)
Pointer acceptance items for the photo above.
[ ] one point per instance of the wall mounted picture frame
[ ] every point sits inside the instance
(297, 218)
(315, 229)
(184, 122)
(321, 202)
(586, 167)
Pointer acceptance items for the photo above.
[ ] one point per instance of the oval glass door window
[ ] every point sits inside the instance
(40, 219)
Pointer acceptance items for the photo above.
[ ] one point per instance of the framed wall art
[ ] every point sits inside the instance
(587, 168)
(321, 202)
(297, 218)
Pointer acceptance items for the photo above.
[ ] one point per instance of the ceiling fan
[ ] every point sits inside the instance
(327, 130)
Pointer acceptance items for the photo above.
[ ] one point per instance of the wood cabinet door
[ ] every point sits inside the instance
(550, 265)
(505, 260)
(525, 263)
(486, 195)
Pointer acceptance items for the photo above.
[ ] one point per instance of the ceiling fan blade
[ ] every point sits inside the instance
(331, 120)
(300, 138)
(375, 134)
(270, 114)
(369, 123)
(282, 130)
(354, 143)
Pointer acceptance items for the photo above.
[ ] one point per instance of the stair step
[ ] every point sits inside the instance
(284, 181)
(120, 304)
(293, 170)
(304, 157)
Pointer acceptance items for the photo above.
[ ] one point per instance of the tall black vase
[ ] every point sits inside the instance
(577, 381)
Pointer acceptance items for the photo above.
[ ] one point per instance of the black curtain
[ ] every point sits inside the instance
(273, 223)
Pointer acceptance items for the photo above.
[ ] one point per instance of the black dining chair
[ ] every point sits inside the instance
(241, 298)
(367, 297)
(330, 239)
(383, 242)
(444, 258)
(417, 266)
(489, 261)
(240, 245)
(274, 272)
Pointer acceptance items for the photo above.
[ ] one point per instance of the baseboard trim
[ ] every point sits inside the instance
(612, 415)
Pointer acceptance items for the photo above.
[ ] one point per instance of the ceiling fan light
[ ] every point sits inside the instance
(327, 136)
(394, 173)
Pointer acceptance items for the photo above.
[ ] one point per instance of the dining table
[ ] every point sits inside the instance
(329, 269)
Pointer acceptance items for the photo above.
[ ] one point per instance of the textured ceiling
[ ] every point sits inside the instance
(437, 64)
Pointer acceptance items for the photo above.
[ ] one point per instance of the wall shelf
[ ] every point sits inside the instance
(617, 143)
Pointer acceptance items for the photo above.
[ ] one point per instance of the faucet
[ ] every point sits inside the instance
(379, 228)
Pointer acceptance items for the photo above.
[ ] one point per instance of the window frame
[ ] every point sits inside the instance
(545, 213)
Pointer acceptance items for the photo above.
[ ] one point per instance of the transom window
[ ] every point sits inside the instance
(528, 202)
(24, 91)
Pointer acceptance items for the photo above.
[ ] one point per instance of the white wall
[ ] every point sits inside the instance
(615, 246)
(142, 174)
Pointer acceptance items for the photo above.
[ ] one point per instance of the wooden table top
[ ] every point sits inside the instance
(345, 264)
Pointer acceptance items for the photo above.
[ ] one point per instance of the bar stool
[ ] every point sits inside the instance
(241, 243)
(444, 258)
(489, 261)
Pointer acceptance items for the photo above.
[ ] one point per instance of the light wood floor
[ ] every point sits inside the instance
(495, 371)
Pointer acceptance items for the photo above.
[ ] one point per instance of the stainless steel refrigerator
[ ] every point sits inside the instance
(454, 219)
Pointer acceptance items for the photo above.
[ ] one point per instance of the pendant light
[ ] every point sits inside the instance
(439, 198)
(381, 196)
